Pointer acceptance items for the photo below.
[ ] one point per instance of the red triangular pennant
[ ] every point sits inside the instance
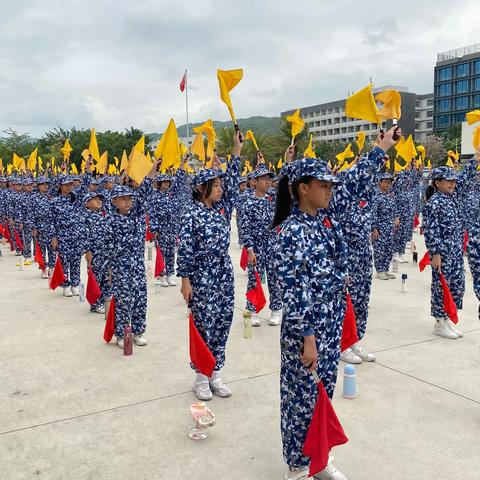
(448, 303)
(256, 295)
(465, 241)
(93, 292)
(39, 256)
(58, 277)
(18, 240)
(349, 332)
(416, 221)
(159, 262)
(424, 262)
(200, 355)
(148, 233)
(110, 323)
(324, 433)
(244, 259)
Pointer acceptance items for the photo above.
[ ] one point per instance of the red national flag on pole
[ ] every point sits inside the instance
(349, 332)
(200, 355)
(183, 83)
(324, 433)
(110, 323)
(256, 295)
(448, 303)
(39, 256)
(424, 262)
(244, 259)
(58, 277)
(93, 292)
(159, 262)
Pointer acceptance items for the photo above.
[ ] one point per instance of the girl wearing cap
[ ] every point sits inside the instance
(165, 210)
(26, 214)
(205, 266)
(312, 265)
(259, 240)
(444, 239)
(385, 219)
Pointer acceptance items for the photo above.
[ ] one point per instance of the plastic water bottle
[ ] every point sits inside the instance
(150, 271)
(247, 325)
(149, 252)
(349, 382)
(22, 262)
(127, 340)
(395, 264)
(404, 282)
(81, 291)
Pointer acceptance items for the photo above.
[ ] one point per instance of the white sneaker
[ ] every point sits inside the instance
(453, 328)
(218, 387)
(402, 259)
(75, 291)
(171, 281)
(100, 309)
(349, 356)
(67, 292)
(162, 281)
(254, 320)
(330, 473)
(275, 318)
(300, 474)
(201, 388)
(443, 330)
(359, 352)
(44, 274)
(50, 272)
(382, 276)
(140, 340)
(120, 343)
(390, 276)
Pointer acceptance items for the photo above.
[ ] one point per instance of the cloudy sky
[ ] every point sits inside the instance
(115, 64)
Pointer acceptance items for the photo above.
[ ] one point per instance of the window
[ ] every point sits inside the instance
(444, 89)
(443, 105)
(429, 124)
(459, 117)
(444, 73)
(461, 103)
(417, 126)
(476, 101)
(476, 84)
(442, 120)
(476, 66)
(417, 115)
(461, 86)
(429, 113)
(462, 70)
(417, 103)
(429, 102)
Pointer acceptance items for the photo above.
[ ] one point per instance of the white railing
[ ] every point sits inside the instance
(459, 52)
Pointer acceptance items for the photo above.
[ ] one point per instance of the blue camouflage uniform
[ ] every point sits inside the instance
(239, 203)
(203, 258)
(26, 218)
(13, 204)
(472, 224)
(444, 235)
(125, 252)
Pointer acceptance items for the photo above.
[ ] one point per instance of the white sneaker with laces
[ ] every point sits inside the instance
(67, 292)
(171, 281)
(140, 340)
(297, 474)
(100, 309)
(275, 318)
(44, 274)
(201, 388)
(254, 320)
(75, 291)
(349, 356)
(162, 281)
(453, 328)
(120, 343)
(365, 356)
(443, 330)
(218, 387)
(402, 259)
(330, 473)
(382, 276)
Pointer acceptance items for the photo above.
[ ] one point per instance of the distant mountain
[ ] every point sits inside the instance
(259, 126)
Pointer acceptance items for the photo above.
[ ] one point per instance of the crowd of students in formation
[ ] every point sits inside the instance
(313, 233)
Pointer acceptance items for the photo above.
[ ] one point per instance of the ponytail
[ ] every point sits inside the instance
(429, 192)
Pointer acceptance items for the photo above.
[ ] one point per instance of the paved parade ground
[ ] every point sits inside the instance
(72, 407)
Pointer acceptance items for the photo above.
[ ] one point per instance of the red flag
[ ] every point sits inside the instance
(18, 240)
(39, 256)
(200, 355)
(6, 232)
(148, 233)
(256, 294)
(349, 332)
(416, 222)
(58, 277)
(244, 259)
(183, 83)
(465, 241)
(424, 262)
(1, 230)
(110, 323)
(448, 303)
(324, 433)
(159, 262)
(93, 292)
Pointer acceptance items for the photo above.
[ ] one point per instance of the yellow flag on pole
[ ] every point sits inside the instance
(183, 149)
(168, 147)
(66, 150)
(347, 153)
(32, 160)
(18, 163)
(198, 148)
(360, 141)
(309, 152)
(102, 164)
(138, 166)
(93, 146)
(473, 117)
(140, 145)
(362, 105)
(421, 152)
(227, 81)
(124, 163)
(1, 166)
(407, 150)
(296, 121)
(392, 104)
(74, 169)
(476, 139)
(250, 136)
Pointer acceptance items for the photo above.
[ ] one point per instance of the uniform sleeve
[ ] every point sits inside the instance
(432, 227)
(186, 247)
(466, 177)
(153, 207)
(230, 185)
(247, 224)
(144, 193)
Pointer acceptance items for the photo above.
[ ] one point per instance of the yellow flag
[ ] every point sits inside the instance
(250, 136)
(112, 170)
(454, 155)
(347, 153)
(116, 161)
(280, 164)
(183, 149)
(297, 122)
(209, 131)
(330, 166)
(227, 81)
(387, 165)
(476, 139)
(93, 147)
(9, 168)
(1, 166)
(140, 145)
(360, 141)
(138, 166)
(473, 117)
(450, 163)
(124, 163)
(40, 164)
(198, 147)
(421, 152)
(309, 152)
(407, 150)
(32, 160)
(168, 147)
(392, 102)
(102, 164)
(66, 150)
(429, 165)
(74, 169)
(82, 166)
(362, 105)
(398, 167)
(18, 163)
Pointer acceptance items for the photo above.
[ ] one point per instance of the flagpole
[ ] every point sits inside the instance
(186, 108)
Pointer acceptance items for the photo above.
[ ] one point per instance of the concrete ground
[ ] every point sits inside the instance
(72, 407)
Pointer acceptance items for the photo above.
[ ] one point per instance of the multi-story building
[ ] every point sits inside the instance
(423, 117)
(456, 86)
(328, 122)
